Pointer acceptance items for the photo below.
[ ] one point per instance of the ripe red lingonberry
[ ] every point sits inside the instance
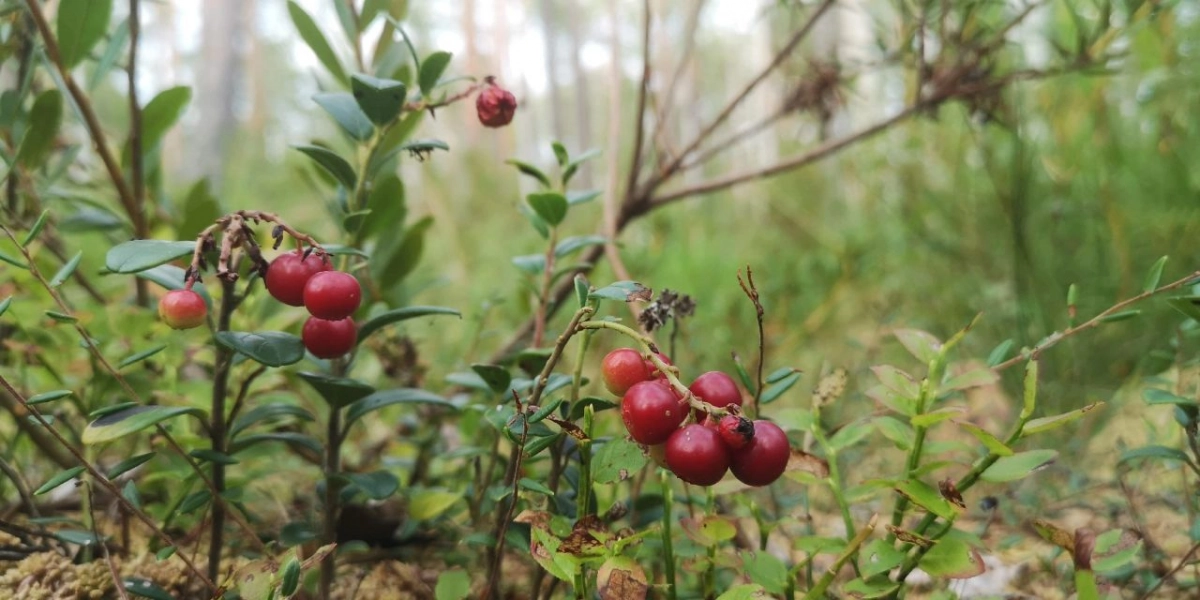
(622, 368)
(329, 339)
(652, 412)
(332, 295)
(765, 458)
(717, 389)
(736, 431)
(697, 455)
(182, 309)
(287, 274)
(495, 105)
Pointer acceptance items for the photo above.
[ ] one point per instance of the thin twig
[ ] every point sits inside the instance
(136, 160)
(751, 292)
(667, 102)
(1183, 562)
(639, 128)
(22, 489)
(108, 559)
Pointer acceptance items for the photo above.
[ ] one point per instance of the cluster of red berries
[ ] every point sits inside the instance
(702, 451)
(307, 279)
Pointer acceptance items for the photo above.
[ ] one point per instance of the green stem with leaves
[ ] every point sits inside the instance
(668, 518)
(332, 501)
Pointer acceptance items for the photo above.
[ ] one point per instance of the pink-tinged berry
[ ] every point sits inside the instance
(182, 309)
(288, 273)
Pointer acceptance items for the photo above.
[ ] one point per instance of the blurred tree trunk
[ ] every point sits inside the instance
(255, 74)
(549, 15)
(471, 62)
(219, 71)
(583, 105)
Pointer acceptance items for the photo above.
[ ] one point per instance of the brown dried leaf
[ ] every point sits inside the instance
(621, 578)
(950, 492)
(803, 461)
(909, 537)
(570, 428)
(1085, 543)
(1055, 535)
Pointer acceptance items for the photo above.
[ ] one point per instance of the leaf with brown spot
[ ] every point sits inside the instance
(909, 537)
(582, 539)
(811, 463)
(950, 492)
(1055, 535)
(620, 578)
(570, 428)
(535, 518)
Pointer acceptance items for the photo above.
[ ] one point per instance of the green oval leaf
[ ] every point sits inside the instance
(139, 255)
(952, 558)
(171, 277)
(925, 496)
(271, 348)
(265, 413)
(1154, 275)
(291, 438)
(381, 100)
(617, 460)
(431, 71)
(7, 302)
(428, 504)
(47, 397)
(45, 118)
(131, 420)
(67, 270)
(316, 41)
(1157, 396)
(59, 479)
(1155, 451)
(80, 24)
(145, 588)
(530, 170)
(140, 356)
(161, 113)
(331, 162)
(994, 445)
(346, 112)
(377, 485)
(337, 391)
(1017, 466)
(1047, 423)
(401, 314)
(129, 464)
(550, 206)
(924, 346)
(385, 398)
(497, 378)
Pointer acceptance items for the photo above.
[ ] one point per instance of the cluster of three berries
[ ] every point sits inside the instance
(307, 279)
(701, 452)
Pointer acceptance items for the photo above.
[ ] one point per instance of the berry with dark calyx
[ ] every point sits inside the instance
(765, 458)
(495, 105)
(622, 368)
(332, 295)
(182, 309)
(736, 431)
(329, 339)
(652, 412)
(717, 389)
(697, 455)
(287, 274)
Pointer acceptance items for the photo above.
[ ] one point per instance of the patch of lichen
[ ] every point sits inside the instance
(51, 576)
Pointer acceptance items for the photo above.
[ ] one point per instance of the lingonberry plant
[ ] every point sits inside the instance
(265, 441)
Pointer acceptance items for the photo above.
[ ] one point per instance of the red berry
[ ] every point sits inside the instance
(697, 455)
(182, 309)
(329, 339)
(332, 295)
(717, 389)
(495, 105)
(735, 431)
(764, 459)
(622, 368)
(652, 412)
(288, 273)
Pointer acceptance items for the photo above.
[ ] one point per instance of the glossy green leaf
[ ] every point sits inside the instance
(1029, 394)
(550, 206)
(431, 71)
(387, 205)
(129, 464)
(560, 153)
(270, 413)
(80, 25)
(598, 404)
(47, 397)
(546, 410)
(496, 377)
(925, 496)
(45, 118)
(75, 536)
(1154, 275)
(582, 288)
(291, 438)
(312, 36)
(402, 314)
(60, 478)
(381, 100)
(132, 420)
(337, 391)
(36, 228)
(427, 504)
(347, 114)
(386, 398)
(289, 577)
(530, 170)
(67, 270)
(270, 348)
(376, 485)
(1018, 466)
(212, 456)
(878, 557)
(161, 113)
(333, 163)
(971, 379)
(140, 356)
(392, 262)
(61, 317)
(104, 411)
(773, 391)
(1154, 451)
(617, 460)
(952, 558)
(139, 255)
(1121, 316)
(453, 584)
(576, 243)
(1042, 424)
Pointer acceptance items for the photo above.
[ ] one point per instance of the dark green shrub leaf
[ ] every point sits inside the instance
(534, 446)
(104, 411)
(772, 392)
(295, 440)
(625, 291)
(212, 456)
(1018, 466)
(1157, 396)
(377, 485)
(1155, 451)
(597, 404)
(270, 348)
(530, 170)
(385, 398)
(269, 413)
(48, 397)
(36, 228)
(381, 100)
(80, 24)
(497, 378)
(194, 501)
(550, 206)
(316, 41)
(61, 317)
(129, 464)
(161, 112)
(581, 290)
(145, 589)
(347, 113)
(431, 71)
(132, 420)
(1047, 423)
(139, 255)
(560, 153)
(546, 410)
(331, 162)
(337, 391)
(289, 578)
(925, 496)
(76, 536)
(296, 533)
(879, 557)
(1188, 305)
(531, 264)
(59, 479)
(617, 460)
(140, 356)
(45, 118)
(401, 314)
